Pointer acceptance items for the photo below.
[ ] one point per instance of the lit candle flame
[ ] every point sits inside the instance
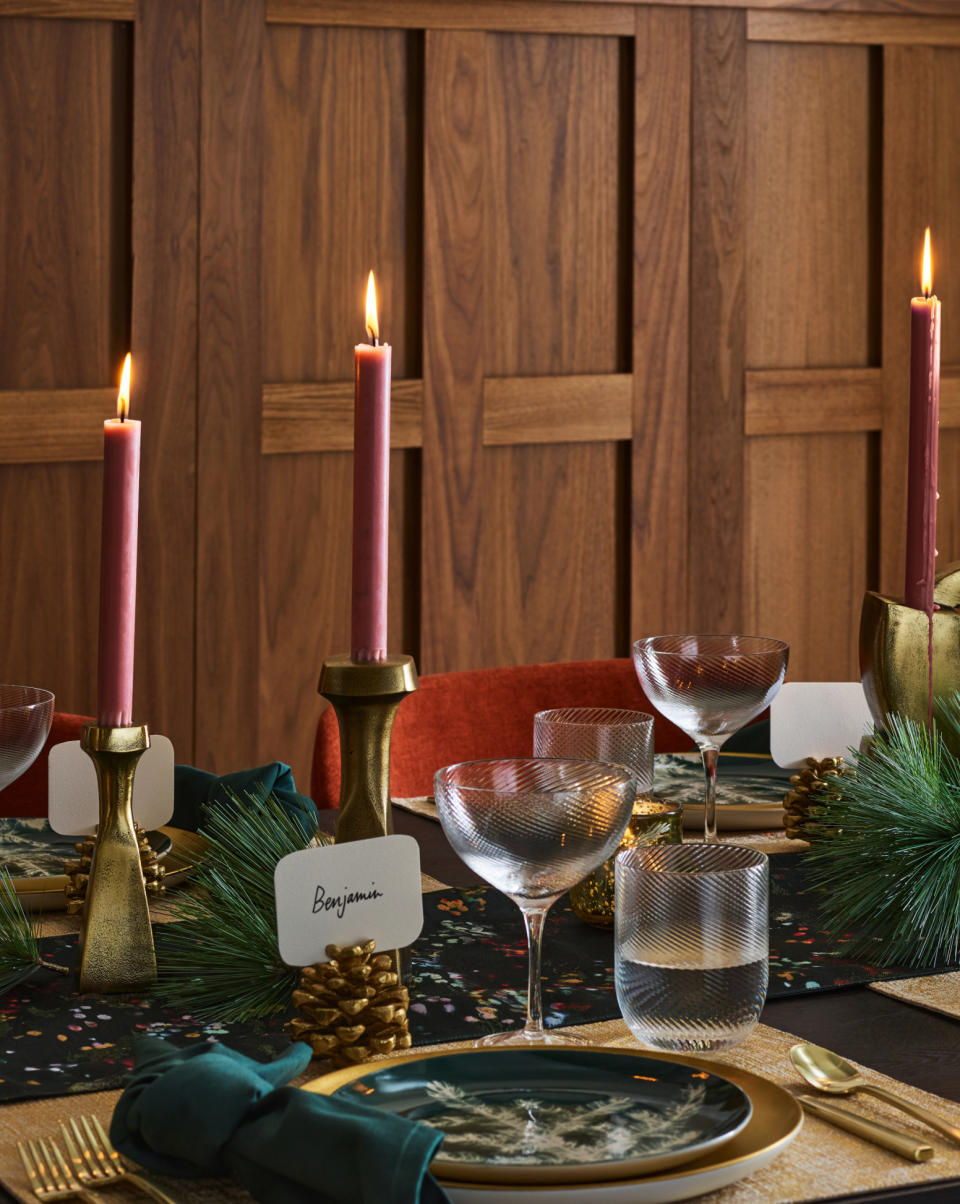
(123, 397)
(373, 328)
(927, 273)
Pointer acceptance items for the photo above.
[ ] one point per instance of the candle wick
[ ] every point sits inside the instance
(374, 341)
(926, 294)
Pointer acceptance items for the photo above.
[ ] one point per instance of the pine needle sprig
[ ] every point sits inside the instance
(891, 867)
(222, 961)
(19, 939)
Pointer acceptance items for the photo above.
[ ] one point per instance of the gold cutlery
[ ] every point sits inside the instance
(96, 1163)
(882, 1135)
(827, 1072)
(48, 1174)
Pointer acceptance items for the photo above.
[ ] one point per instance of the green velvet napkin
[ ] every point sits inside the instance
(208, 1111)
(195, 790)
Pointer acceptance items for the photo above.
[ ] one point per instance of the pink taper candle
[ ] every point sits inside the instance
(118, 562)
(924, 438)
(371, 491)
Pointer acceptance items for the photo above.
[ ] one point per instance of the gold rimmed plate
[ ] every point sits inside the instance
(180, 850)
(774, 1120)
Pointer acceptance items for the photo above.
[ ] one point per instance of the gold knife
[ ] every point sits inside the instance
(891, 1139)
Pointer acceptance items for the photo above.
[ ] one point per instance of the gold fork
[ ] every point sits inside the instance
(49, 1176)
(97, 1163)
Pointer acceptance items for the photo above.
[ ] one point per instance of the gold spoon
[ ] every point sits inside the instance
(827, 1072)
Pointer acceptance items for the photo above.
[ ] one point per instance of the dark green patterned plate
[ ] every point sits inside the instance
(553, 1115)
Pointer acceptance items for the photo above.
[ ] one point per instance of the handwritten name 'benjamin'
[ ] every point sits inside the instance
(339, 903)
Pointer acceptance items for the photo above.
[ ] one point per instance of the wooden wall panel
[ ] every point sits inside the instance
(556, 254)
(812, 293)
(229, 386)
(717, 322)
(64, 261)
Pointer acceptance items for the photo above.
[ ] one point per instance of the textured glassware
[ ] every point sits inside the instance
(598, 734)
(652, 822)
(691, 943)
(533, 827)
(26, 714)
(710, 686)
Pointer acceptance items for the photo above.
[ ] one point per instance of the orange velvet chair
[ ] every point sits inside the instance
(480, 713)
(27, 796)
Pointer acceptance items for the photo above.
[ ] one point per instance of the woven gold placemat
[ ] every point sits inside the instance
(822, 1162)
(936, 992)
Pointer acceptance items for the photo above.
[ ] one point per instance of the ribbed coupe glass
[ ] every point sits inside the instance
(533, 827)
(26, 714)
(710, 686)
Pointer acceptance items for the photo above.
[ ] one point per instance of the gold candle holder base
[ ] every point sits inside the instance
(366, 697)
(116, 940)
(894, 654)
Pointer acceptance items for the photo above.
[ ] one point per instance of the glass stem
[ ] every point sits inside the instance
(709, 754)
(533, 919)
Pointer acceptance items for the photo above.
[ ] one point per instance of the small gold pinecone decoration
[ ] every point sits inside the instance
(78, 872)
(353, 1006)
(812, 784)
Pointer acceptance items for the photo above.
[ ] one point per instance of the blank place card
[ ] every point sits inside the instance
(817, 719)
(74, 804)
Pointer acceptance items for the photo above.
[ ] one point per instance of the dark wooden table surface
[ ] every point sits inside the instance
(908, 1043)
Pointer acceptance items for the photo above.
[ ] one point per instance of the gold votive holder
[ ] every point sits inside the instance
(652, 822)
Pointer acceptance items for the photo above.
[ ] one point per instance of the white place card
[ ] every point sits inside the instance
(817, 719)
(348, 893)
(73, 801)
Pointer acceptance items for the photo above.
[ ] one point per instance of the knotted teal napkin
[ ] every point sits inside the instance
(208, 1111)
(195, 790)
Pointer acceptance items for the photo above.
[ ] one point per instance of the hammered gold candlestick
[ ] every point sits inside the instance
(116, 940)
(366, 697)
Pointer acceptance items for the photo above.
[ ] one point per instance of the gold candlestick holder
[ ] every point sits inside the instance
(366, 697)
(894, 653)
(116, 940)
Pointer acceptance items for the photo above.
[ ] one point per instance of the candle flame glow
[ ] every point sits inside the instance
(927, 273)
(373, 328)
(123, 397)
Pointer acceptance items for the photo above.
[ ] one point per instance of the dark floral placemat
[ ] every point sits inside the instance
(469, 977)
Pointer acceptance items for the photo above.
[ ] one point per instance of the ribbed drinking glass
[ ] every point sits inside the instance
(26, 714)
(710, 686)
(691, 943)
(598, 734)
(533, 827)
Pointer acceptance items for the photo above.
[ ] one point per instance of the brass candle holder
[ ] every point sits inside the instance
(366, 697)
(894, 653)
(116, 940)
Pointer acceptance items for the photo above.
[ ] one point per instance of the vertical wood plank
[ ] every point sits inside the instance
(661, 299)
(910, 103)
(164, 344)
(717, 325)
(230, 380)
(455, 115)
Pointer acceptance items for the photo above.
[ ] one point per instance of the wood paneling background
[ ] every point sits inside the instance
(645, 270)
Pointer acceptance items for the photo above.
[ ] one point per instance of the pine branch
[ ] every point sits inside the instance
(891, 867)
(19, 939)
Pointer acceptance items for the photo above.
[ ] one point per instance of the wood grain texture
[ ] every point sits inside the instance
(312, 418)
(805, 571)
(717, 319)
(342, 195)
(659, 587)
(556, 409)
(60, 235)
(812, 258)
(809, 401)
(305, 616)
(949, 396)
(44, 426)
(532, 16)
(456, 111)
(76, 10)
(867, 29)
(229, 384)
(557, 302)
(164, 345)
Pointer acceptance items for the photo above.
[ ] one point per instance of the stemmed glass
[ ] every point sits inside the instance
(710, 686)
(533, 828)
(26, 714)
